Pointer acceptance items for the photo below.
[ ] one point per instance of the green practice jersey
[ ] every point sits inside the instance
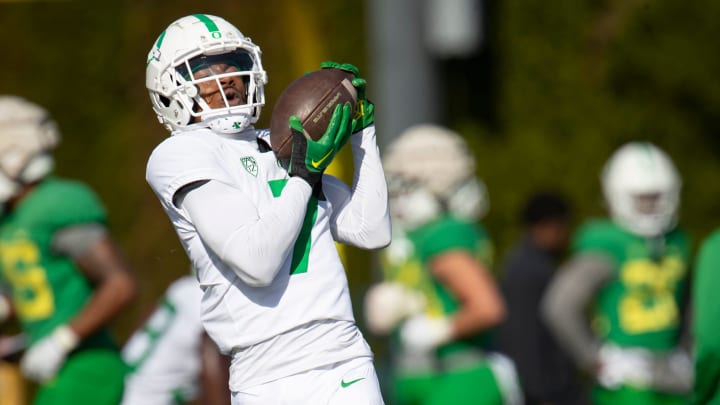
(642, 304)
(47, 288)
(410, 266)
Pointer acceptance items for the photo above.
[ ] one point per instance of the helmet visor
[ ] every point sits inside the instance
(192, 68)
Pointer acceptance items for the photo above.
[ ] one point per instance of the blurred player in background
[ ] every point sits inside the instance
(438, 297)
(171, 358)
(706, 313)
(67, 277)
(548, 375)
(261, 236)
(630, 271)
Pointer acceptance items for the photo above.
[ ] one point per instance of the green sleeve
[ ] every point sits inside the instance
(593, 236)
(450, 234)
(600, 237)
(74, 203)
(707, 321)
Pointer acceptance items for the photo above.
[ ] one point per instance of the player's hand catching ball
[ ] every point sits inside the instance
(309, 158)
(364, 114)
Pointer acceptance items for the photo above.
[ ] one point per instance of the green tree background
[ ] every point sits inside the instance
(561, 85)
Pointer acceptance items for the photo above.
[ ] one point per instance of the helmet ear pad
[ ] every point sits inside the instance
(172, 111)
(165, 108)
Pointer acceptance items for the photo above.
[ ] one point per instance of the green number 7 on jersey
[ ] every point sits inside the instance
(301, 249)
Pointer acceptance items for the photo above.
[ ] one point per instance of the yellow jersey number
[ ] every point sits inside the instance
(32, 296)
(649, 304)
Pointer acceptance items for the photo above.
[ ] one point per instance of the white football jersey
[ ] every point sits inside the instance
(292, 324)
(164, 354)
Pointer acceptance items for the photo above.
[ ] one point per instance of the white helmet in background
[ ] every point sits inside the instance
(27, 135)
(642, 188)
(192, 43)
(430, 169)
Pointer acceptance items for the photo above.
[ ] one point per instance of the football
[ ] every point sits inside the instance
(312, 98)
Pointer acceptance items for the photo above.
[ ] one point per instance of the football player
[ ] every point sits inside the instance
(706, 313)
(171, 358)
(262, 235)
(67, 277)
(438, 298)
(630, 271)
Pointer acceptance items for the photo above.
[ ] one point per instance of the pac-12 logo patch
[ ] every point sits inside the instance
(250, 165)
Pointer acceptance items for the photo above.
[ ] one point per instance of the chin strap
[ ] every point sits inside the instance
(229, 124)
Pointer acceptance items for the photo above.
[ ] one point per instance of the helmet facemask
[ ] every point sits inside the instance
(648, 214)
(411, 204)
(229, 79)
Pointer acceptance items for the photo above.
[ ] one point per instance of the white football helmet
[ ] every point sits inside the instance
(27, 135)
(430, 169)
(193, 43)
(642, 189)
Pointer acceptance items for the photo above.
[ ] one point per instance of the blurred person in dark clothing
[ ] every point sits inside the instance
(547, 374)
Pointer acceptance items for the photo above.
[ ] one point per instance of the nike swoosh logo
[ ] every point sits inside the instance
(349, 383)
(322, 159)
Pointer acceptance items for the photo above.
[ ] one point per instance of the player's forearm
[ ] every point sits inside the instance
(112, 296)
(479, 314)
(564, 304)
(252, 241)
(365, 220)
(472, 285)
(468, 323)
(113, 286)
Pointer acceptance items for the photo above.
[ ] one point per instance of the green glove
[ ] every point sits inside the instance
(342, 66)
(309, 158)
(364, 114)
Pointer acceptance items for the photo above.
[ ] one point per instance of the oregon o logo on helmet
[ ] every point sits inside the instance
(216, 34)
